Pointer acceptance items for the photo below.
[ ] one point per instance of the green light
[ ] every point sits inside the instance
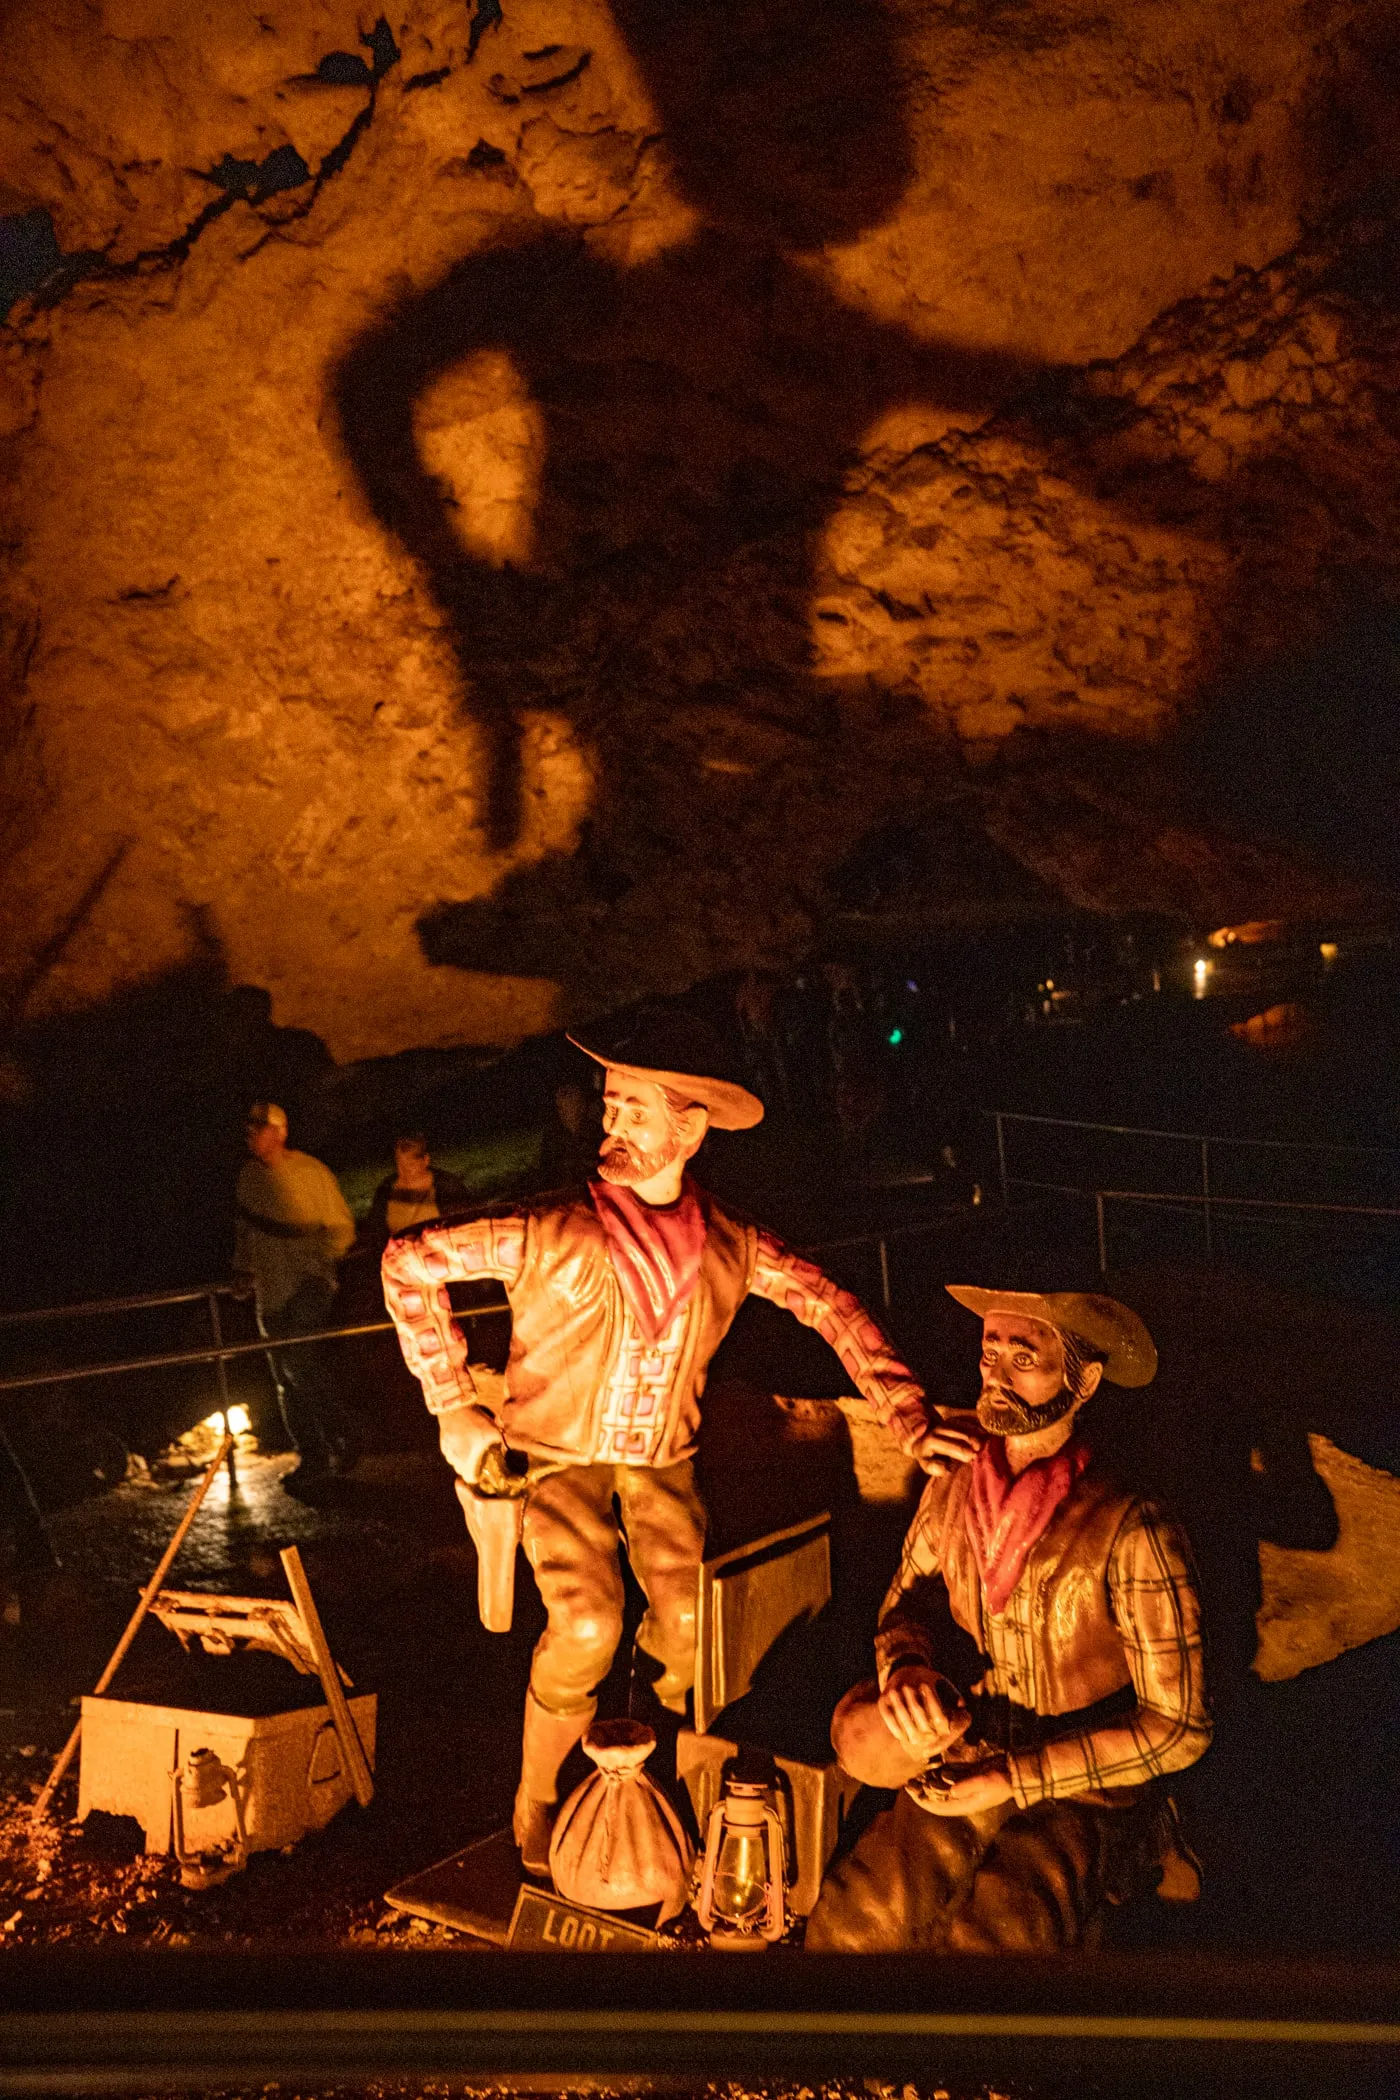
(896, 1036)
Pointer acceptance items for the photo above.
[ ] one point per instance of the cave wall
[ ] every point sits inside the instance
(501, 501)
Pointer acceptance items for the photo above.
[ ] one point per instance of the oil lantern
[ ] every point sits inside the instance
(203, 1781)
(741, 1900)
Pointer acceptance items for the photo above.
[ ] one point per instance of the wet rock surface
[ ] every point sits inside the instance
(500, 522)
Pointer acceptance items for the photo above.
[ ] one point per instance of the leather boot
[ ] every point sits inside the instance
(548, 1738)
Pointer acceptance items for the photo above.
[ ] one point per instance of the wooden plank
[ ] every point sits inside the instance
(133, 1626)
(472, 1891)
(356, 1763)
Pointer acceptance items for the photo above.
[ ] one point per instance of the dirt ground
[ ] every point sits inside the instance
(395, 1582)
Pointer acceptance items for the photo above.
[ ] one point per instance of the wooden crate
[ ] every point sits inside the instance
(290, 1765)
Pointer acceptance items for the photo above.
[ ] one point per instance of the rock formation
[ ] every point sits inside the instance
(508, 507)
(1316, 1605)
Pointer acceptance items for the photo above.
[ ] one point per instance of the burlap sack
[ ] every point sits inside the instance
(618, 1844)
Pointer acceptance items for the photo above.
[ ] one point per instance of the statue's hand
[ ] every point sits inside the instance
(468, 1436)
(922, 1711)
(961, 1791)
(941, 1446)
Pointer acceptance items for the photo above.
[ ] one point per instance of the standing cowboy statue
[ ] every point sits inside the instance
(1039, 1670)
(619, 1298)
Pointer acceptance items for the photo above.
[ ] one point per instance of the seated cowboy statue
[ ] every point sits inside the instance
(620, 1295)
(1039, 1660)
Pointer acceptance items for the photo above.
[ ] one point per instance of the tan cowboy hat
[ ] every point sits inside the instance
(1130, 1355)
(681, 1051)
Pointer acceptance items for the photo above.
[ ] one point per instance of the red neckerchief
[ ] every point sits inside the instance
(1008, 1512)
(655, 1250)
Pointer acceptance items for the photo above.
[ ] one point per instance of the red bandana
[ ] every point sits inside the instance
(1008, 1512)
(655, 1250)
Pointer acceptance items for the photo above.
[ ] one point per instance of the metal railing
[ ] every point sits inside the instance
(221, 1353)
(1209, 1198)
(1124, 2026)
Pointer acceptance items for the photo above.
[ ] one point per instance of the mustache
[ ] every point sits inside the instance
(623, 1162)
(1003, 1413)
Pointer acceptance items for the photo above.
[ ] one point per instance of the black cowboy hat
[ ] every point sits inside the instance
(675, 1049)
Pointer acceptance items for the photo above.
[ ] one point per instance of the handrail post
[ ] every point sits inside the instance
(1205, 1197)
(217, 1328)
(885, 1274)
(1001, 1161)
(1103, 1231)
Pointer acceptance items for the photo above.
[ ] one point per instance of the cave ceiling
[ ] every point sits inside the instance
(507, 506)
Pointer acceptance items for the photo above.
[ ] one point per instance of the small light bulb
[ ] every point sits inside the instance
(239, 1421)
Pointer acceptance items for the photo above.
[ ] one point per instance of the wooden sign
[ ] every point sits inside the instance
(541, 1920)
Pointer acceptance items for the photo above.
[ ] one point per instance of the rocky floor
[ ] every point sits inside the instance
(387, 1556)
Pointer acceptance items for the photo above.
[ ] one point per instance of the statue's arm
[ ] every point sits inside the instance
(905, 1635)
(886, 1384)
(417, 1271)
(1156, 1606)
(919, 1703)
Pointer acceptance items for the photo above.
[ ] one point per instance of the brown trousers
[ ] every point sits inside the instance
(571, 1536)
(1005, 1881)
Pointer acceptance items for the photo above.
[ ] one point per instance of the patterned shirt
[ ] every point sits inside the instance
(1153, 1600)
(634, 1403)
(417, 1272)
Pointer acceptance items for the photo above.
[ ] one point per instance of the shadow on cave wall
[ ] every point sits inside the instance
(700, 411)
(1295, 1808)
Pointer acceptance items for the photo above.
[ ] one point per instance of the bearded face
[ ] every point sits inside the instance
(1026, 1385)
(644, 1135)
(623, 1160)
(1003, 1413)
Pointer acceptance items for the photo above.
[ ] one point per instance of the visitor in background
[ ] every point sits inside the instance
(294, 1228)
(413, 1194)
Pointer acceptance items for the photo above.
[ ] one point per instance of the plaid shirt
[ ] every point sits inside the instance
(1154, 1604)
